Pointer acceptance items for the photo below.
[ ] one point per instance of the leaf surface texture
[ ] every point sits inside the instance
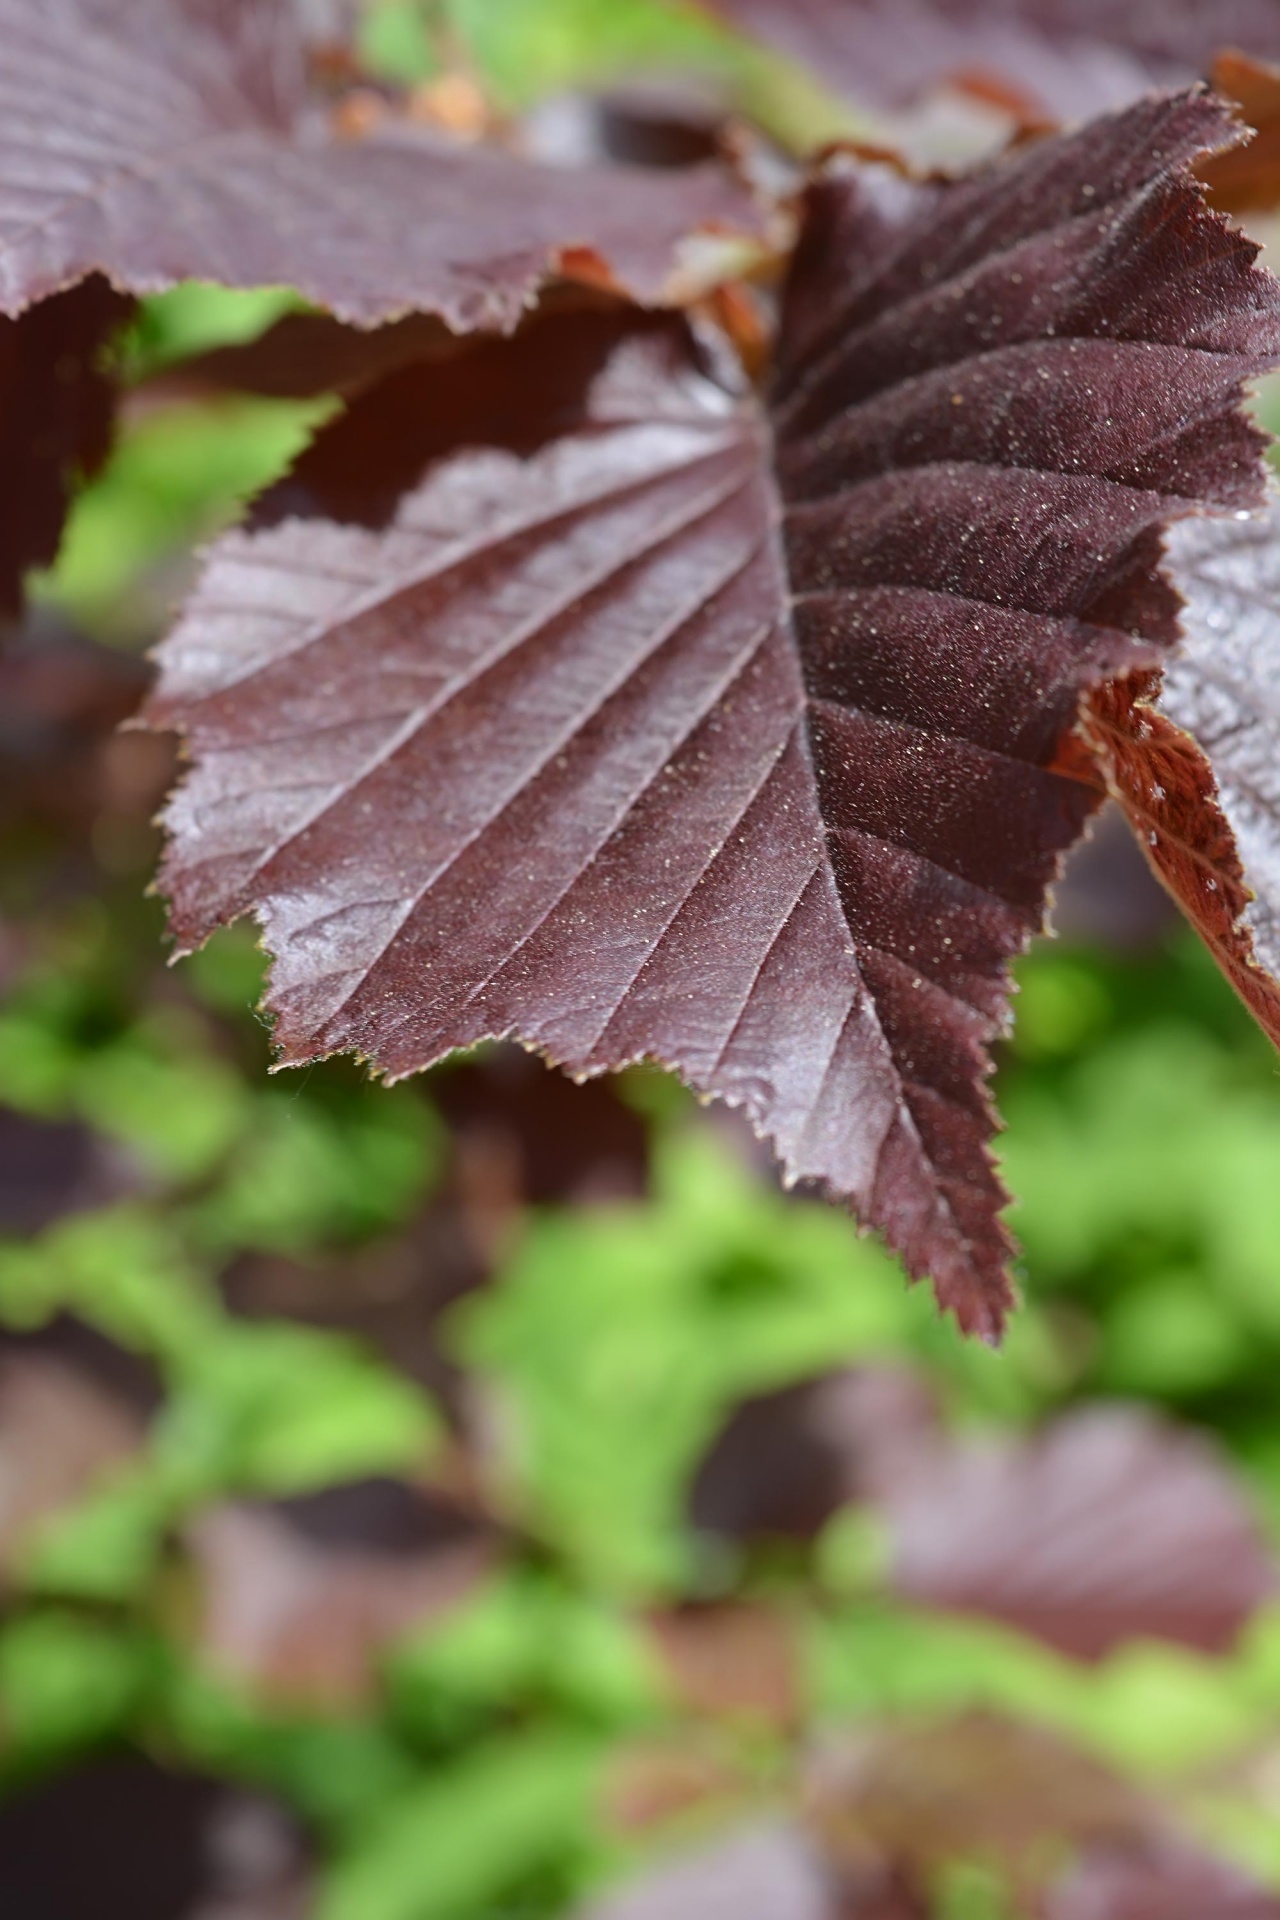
(156, 141)
(577, 697)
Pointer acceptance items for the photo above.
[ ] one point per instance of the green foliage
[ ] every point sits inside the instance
(530, 1641)
(177, 477)
(1143, 1136)
(195, 318)
(1143, 1152)
(68, 1683)
(507, 1830)
(621, 1340)
(526, 50)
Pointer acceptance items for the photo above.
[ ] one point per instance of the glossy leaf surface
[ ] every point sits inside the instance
(616, 712)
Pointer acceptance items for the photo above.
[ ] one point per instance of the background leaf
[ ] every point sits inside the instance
(170, 108)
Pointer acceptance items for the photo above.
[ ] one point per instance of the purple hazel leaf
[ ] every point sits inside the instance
(160, 140)
(587, 701)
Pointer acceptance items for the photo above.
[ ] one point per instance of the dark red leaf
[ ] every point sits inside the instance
(627, 718)
(57, 409)
(785, 1462)
(1110, 1527)
(162, 140)
(1063, 58)
(1195, 764)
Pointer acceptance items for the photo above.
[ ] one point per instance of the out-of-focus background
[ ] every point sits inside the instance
(492, 1497)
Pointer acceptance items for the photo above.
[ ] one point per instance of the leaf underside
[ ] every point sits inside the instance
(637, 719)
(1194, 760)
(160, 140)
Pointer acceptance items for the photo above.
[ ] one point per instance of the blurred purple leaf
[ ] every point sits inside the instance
(1110, 1526)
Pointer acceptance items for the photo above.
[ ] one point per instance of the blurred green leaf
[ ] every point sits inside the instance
(464, 1842)
(525, 50)
(106, 1549)
(180, 1107)
(308, 1175)
(527, 1640)
(121, 1270)
(66, 1683)
(621, 1339)
(196, 317)
(281, 1409)
(338, 1774)
(178, 475)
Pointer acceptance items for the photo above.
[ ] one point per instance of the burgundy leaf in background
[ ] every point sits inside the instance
(162, 140)
(306, 354)
(1064, 59)
(304, 1621)
(785, 1462)
(736, 1662)
(915, 1795)
(61, 1436)
(563, 1145)
(617, 714)
(57, 411)
(1169, 1883)
(52, 1168)
(1109, 1527)
(69, 782)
